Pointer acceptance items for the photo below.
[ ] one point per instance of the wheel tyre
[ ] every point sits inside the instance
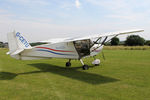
(68, 64)
(85, 67)
(96, 64)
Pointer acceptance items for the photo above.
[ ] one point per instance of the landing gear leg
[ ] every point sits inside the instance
(84, 67)
(68, 64)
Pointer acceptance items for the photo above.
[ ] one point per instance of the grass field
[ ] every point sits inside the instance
(124, 75)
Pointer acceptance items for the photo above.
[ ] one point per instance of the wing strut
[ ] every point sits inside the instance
(101, 43)
(104, 40)
(110, 39)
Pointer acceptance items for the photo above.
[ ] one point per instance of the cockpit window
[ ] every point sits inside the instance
(83, 47)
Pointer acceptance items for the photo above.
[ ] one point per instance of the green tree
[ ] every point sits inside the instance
(115, 41)
(1, 44)
(147, 42)
(134, 40)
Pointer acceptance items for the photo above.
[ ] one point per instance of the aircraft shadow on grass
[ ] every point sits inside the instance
(72, 72)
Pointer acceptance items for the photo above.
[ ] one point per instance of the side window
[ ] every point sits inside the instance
(83, 47)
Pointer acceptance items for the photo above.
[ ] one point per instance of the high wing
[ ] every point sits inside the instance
(55, 40)
(58, 40)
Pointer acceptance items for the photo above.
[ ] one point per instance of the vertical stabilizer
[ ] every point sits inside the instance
(17, 43)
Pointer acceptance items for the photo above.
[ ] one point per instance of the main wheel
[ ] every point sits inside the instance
(85, 67)
(68, 64)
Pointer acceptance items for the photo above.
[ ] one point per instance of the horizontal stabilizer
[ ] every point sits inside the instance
(17, 52)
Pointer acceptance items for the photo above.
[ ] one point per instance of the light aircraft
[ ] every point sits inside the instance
(67, 48)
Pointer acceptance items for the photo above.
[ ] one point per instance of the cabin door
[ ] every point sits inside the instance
(83, 47)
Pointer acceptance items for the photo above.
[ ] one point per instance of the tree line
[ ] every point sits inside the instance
(3, 44)
(132, 40)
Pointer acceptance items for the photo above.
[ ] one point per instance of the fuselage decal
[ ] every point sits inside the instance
(55, 52)
(53, 49)
(22, 39)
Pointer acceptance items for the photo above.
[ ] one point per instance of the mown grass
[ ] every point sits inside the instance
(124, 75)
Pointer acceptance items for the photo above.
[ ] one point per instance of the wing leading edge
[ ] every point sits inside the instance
(94, 36)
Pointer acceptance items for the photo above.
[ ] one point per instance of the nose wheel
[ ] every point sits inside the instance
(96, 62)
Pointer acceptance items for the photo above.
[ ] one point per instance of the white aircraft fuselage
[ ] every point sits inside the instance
(58, 50)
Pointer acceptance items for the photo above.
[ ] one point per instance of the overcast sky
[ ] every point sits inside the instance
(43, 19)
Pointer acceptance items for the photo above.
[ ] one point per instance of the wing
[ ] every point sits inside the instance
(93, 36)
(55, 40)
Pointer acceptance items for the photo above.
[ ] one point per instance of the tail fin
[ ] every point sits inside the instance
(17, 43)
